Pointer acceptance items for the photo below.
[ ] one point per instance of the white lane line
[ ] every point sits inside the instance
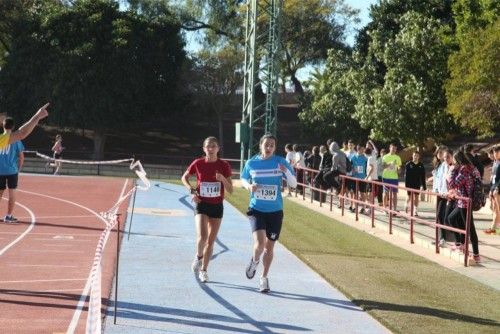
(65, 201)
(40, 265)
(45, 280)
(30, 227)
(86, 289)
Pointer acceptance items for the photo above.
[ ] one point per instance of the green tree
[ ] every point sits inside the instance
(23, 63)
(473, 89)
(13, 12)
(331, 111)
(409, 103)
(215, 79)
(105, 69)
(309, 28)
(470, 15)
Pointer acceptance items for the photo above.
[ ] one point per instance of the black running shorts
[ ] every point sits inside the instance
(351, 186)
(269, 221)
(8, 181)
(210, 210)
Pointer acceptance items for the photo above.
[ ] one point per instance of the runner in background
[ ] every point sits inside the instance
(213, 176)
(57, 149)
(11, 162)
(262, 176)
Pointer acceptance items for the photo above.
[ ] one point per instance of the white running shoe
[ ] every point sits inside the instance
(264, 285)
(203, 276)
(196, 265)
(251, 268)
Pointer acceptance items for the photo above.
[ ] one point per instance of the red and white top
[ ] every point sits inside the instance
(209, 189)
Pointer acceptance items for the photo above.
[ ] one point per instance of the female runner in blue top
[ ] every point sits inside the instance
(262, 176)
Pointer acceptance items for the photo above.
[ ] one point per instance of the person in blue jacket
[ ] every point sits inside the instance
(262, 176)
(11, 162)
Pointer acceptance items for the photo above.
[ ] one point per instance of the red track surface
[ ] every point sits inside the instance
(44, 273)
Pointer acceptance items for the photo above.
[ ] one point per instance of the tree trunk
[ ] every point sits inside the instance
(99, 142)
(297, 85)
(283, 84)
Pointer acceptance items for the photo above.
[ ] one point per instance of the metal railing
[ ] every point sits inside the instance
(324, 194)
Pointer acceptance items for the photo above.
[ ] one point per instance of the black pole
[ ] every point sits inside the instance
(117, 262)
(131, 215)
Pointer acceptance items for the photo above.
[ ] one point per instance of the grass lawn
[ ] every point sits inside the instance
(405, 292)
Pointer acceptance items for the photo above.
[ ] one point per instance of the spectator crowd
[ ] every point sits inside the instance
(454, 176)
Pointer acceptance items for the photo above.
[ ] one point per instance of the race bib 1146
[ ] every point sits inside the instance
(210, 189)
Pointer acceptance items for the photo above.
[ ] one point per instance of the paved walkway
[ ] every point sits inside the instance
(158, 293)
(487, 272)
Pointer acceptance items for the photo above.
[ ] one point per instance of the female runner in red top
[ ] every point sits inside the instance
(213, 176)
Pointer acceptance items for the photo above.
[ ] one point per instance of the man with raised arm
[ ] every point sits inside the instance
(24, 131)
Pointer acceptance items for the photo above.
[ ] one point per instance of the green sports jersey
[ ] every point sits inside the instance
(394, 162)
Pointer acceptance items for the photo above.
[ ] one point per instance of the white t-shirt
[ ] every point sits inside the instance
(372, 160)
(299, 159)
(290, 158)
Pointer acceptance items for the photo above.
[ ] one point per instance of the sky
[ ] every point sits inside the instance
(362, 5)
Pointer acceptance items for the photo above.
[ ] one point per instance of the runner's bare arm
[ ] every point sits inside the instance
(192, 191)
(373, 145)
(28, 127)
(185, 181)
(226, 181)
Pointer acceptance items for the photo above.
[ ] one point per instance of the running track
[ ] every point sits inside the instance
(46, 257)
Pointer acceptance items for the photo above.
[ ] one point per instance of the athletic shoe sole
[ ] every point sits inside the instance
(249, 272)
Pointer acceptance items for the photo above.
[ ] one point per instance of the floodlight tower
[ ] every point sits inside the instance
(262, 67)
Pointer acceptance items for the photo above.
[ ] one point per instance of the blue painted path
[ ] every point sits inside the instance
(158, 293)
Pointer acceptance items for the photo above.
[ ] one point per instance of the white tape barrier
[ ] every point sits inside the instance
(135, 166)
(80, 162)
(94, 322)
(94, 315)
